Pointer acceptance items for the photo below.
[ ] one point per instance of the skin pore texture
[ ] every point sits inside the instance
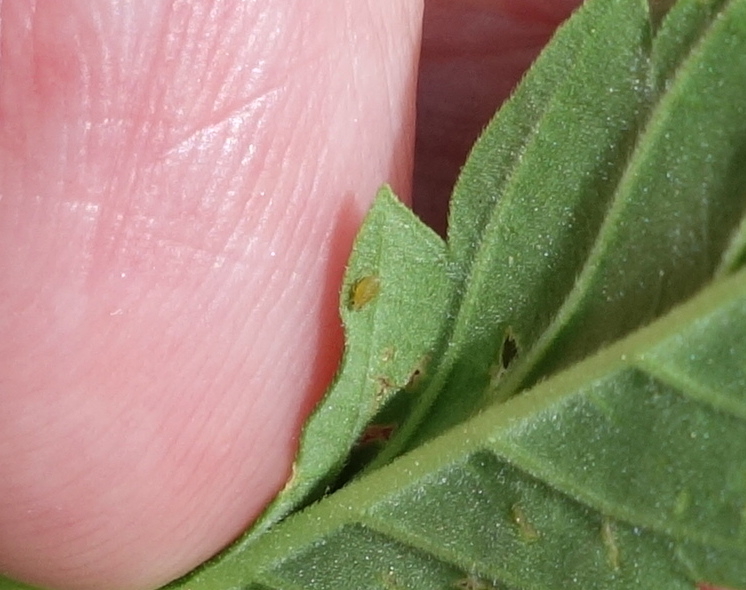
(180, 185)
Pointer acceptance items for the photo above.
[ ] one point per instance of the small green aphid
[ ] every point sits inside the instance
(363, 291)
(527, 530)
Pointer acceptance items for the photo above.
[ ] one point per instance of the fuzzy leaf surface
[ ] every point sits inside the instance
(623, 472)
(607, 190)
(392, 276)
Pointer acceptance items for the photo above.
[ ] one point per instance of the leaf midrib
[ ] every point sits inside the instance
(354, 505)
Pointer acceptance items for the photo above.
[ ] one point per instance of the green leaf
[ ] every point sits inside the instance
(393, 274)
(627, 471)
(607, 190)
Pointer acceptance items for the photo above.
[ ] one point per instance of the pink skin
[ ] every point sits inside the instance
(473, 52)
(180, 184)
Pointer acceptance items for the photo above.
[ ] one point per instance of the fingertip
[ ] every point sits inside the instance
(172, 275)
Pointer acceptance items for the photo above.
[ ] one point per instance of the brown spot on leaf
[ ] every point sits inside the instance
(509, 350)
(384, 388)
(418, 374)
(376, 434)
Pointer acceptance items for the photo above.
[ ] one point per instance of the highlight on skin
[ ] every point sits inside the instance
(180, 185)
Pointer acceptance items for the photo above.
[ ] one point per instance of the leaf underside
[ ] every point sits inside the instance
(608, 191)
(627, 471)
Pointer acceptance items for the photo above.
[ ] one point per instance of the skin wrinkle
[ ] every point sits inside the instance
(210, 62)
(69, 482)
(154, 107)
(145, 61)
(222, 114)
(237, 343)
(275, 39)
(103, 76)
(163, 250)
(362, 91)
(386, 50)
(208, 192)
